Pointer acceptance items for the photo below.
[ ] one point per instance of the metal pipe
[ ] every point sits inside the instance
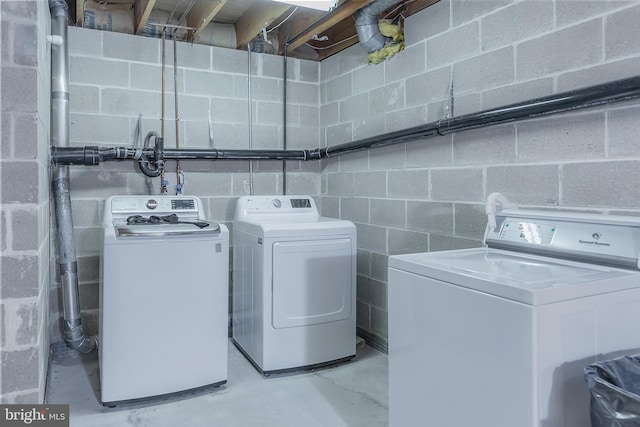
(73, 332)
(284, 120)
(367, 24)
(250, 113)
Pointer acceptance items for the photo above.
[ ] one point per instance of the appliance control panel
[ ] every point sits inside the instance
(154, 205)
(292, 206)
(604, 239)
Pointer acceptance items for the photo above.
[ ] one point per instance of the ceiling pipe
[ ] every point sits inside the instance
(367, 24)
(73, 333)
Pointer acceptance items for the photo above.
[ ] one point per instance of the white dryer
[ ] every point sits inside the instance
(294, 284)
(163, 298)
(499, 336)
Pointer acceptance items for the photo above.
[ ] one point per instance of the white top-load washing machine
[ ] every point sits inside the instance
(294, 284)
(499, 336)
(163, 298)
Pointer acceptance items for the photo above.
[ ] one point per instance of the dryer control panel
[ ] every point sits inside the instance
(283, 207)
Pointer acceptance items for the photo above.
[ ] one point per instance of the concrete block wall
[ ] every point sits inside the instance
(24, 198)
(429, 195)
(114, 78)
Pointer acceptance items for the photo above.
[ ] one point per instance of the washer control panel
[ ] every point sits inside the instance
(127, 205)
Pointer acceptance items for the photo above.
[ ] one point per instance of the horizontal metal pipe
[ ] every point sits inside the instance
(606, 93)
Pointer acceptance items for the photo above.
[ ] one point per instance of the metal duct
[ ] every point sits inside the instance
(73, 332)
(367, 24)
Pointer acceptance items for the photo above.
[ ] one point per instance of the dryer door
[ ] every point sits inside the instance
(312, 282)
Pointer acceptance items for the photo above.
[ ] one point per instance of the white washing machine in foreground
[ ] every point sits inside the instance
(294, 284)
(164, 295)
(499, 336)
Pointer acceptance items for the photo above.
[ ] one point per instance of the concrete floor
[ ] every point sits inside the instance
(351, 394)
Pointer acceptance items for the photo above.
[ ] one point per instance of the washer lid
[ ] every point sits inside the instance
(321, 226)
(530, 279)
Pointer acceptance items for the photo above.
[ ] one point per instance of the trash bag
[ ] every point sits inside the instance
(614, 386)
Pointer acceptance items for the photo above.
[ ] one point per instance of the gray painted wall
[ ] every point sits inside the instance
(428, 195)
(25, 221)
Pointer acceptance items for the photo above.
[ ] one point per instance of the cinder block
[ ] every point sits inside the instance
(409, 184)
(362, 265)
(84, 99)
(330, 206)
(19, 89)
(466, 10)
(355, 161)
(220, 84)
(209, 184)
(309, 116)
(371, 126)
(267, 65)
(407, 242)
(340, 184)
(149, 77)
(224, 110)
(106, 72)
(407, 118)
(309, 71)
(351, 58)
(484, 71)
(372, 292)
(303, 93)
(338, 134)
(330, 114)
(463, 104)
(118, 102)
(190, 55)
(367, 78)
(570, 137)
(457, 184)
(432, 217)
(428, 87)
(493, 145)
(24, 227)
(379, 266)
(370, 184)
(338, 88)
(303, 183)
(330, 68)
(4, 235)
(573, 47)
(532, 184)
(89, 296)
(19, 276)
(380, 322)
(88, 240)
(430, 152)
(390, 213)
(427, 23)
(354, 107)
(89, 267)
(372, 238)
(303, 138)
(621, 29)
(269, 113)
(453, 45)
(516, 22)
(24, 372)
(90, 183)
(623, 130)
(130, 47)
(19, 182)
(391, 157)
(222, 208)
(86, 212)
(606, 184)
(571, 11)
(603, 73)
(362, 315)
(84, 41)
(24, 45)
(470, 220)
(410, 62)
(517, 92)
(386, 99)
(25, 134)
(439, 242)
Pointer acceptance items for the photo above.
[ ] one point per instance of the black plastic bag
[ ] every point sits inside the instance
(615, 392)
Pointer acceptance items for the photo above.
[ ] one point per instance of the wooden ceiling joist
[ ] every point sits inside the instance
(202, 14)
(259, 16)
(142, 10)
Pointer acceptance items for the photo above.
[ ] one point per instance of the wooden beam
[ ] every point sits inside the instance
(328, 20)
(418, 5)
(202, 14)
(79, 12)
(258, 16)
(142, 10)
